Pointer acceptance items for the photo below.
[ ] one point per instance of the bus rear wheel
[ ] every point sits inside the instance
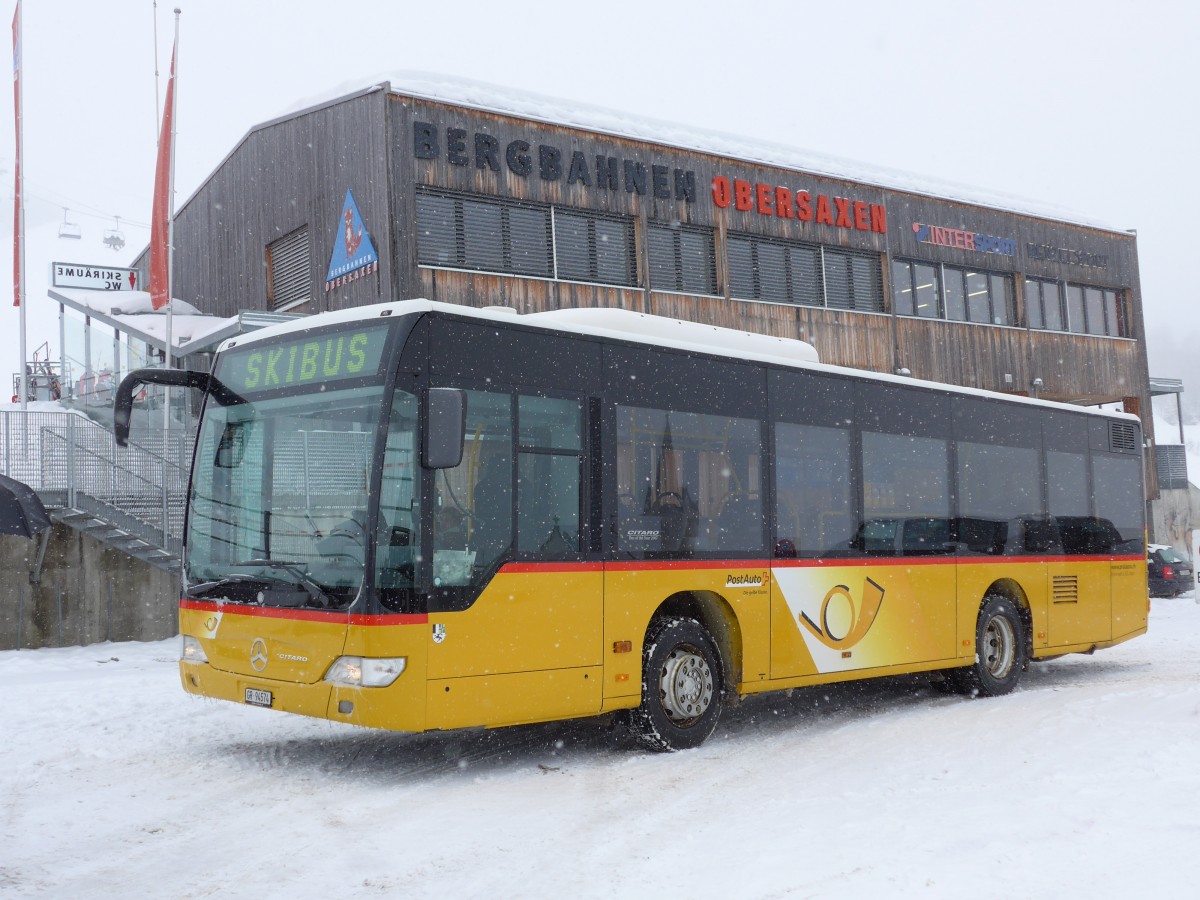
(681, 686)
(1001, 651)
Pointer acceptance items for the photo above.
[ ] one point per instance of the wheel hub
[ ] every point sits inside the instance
(999, 647)
(686, 686)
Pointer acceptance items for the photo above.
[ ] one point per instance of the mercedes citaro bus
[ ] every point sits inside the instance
(423, 516)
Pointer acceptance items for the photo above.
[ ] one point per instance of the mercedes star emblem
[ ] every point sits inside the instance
(258, 654)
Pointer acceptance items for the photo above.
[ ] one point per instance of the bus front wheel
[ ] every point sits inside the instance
(1000, 650)
(681, 686)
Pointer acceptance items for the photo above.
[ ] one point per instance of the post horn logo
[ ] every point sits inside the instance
(861, 617)
(258, 654)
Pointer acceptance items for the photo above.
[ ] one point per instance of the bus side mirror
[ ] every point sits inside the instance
(445, 428)
(232, 447)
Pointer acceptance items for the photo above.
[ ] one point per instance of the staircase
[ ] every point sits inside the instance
(130, 498)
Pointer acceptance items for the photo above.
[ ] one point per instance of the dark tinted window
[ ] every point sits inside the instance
(956, 295)
(902, 288)
(978, 305)
(1052, 305)
(1001, 288)
(906, 496)
(926, 290)
(473, 509)
(1117, 483)
(1115, 325)
(1066, 482)
(999, 496)
(549, 468)
(688, 482)
(1076, 321)
(813, 505)
(1033, 304)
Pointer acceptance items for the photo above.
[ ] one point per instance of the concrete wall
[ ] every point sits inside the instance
(88, 593)
(1175, 518)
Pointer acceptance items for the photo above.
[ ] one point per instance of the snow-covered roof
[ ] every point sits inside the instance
(131, 312)
(558, 111)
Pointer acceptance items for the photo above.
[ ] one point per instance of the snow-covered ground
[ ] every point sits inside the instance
(1083, 783)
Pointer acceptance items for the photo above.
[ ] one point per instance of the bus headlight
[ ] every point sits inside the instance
(191, 651)
(365, 671)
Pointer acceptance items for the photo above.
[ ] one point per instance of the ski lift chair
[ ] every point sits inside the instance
(69, 229)
(114, 238)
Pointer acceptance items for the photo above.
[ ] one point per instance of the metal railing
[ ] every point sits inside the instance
(68, 458)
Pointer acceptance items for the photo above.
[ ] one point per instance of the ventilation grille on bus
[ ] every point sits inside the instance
(1066, 588)
(1122, 437)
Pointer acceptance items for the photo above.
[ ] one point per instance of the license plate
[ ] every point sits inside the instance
(256, 697)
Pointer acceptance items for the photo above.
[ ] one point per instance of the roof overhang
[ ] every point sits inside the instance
(131, 313)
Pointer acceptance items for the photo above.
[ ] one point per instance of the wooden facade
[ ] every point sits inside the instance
(385, 147)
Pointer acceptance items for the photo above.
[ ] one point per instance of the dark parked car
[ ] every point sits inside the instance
(1169, 573)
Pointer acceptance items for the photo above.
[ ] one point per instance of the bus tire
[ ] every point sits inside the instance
(1000, 650)
(681, 686)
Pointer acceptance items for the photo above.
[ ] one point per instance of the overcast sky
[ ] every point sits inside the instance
(1086, 105)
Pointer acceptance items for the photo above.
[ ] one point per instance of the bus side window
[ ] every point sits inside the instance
(399, 519)
(906, 478)
(812, 490)
(549, 476)
(688, 482)
(473, 512)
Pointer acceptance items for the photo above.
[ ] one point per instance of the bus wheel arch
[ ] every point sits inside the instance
(1002, 643)
(713, 612)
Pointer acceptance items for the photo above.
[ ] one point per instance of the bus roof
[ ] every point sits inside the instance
(657, 331)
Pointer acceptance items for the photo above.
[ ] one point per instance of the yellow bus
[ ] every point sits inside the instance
(421, 516)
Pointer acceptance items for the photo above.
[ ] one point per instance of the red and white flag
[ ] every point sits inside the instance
(17, 190)
(160, 220)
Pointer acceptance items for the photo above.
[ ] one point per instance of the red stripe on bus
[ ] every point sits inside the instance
(390, 619)
(945, 561)
(525, 568)
(305, 615)
(708, 564)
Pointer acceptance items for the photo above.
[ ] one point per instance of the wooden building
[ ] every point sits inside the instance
(395, 193)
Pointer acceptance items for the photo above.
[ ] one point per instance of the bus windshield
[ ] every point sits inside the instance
(279, 502)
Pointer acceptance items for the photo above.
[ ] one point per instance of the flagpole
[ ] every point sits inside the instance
(171, 223)
(18, 52)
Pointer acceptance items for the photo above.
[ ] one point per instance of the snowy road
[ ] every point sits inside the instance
(1083, 783)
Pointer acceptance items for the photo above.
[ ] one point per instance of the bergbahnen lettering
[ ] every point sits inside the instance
(520, 158)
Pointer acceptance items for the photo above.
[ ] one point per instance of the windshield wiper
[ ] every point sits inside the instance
(316, 593)
(266, 587)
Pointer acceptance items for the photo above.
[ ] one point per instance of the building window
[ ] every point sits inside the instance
(682, 259)
(591, 247)
(1043, 304)
(488, 235)
(852, 280)
(804, 274)
(1089, 310)
(934, 291)
(289, 270)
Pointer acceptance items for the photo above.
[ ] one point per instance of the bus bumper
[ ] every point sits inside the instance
(398, 707)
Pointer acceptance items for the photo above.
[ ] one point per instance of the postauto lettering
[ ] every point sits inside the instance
(313, 360)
